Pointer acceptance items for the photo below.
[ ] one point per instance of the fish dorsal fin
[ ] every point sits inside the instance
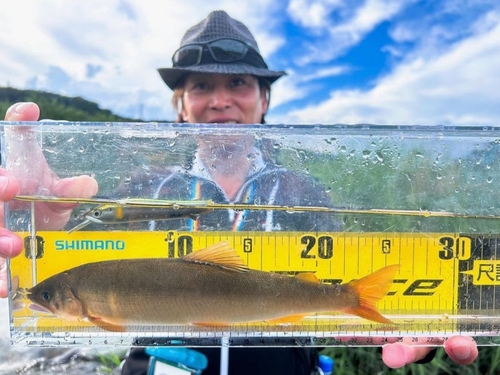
(308, 277)
(219, 254)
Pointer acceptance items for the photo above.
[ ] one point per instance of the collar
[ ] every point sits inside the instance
(199, 169)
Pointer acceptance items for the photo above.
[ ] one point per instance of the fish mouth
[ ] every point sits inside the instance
(38, 308)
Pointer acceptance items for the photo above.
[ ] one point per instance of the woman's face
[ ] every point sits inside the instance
(223, 98)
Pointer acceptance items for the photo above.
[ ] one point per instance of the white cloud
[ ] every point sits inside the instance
(314, 14)
(296, 85)
(331, 71)
(435, 30)
(287, 89)
(402, 33)
(344, 30)
(459, 86)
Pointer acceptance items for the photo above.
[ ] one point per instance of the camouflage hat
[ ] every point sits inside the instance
(206, 48)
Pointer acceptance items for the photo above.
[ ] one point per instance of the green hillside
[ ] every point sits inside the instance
(54, 106)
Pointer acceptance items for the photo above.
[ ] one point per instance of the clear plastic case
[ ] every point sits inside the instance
(315, 205)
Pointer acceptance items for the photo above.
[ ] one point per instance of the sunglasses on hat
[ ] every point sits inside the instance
(224, 50)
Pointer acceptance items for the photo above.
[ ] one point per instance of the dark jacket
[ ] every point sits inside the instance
(266, 185)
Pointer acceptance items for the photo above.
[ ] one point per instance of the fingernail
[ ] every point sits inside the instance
(6, 246)
(21, 107)
(461, 351)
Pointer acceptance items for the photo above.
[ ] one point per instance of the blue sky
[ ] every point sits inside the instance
(349, 61)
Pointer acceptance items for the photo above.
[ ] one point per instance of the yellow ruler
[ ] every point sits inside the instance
(447, 284)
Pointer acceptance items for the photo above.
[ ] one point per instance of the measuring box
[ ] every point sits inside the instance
(252, 235)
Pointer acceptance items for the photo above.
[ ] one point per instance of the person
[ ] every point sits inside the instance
(218, 76)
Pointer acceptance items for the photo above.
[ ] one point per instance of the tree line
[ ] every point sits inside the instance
(54, 106)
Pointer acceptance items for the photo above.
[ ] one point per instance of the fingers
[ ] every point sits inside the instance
(10, 244)
(54, 216)
(23, 112)
(461, 349)
(398, 355)
(9, 186)
(80, 186)
(3, 278)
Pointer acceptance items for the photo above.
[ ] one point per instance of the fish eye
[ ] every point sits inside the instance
(97, 213)
(46, 296)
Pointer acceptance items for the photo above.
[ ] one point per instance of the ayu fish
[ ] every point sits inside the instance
(212, 286)
(118, 214)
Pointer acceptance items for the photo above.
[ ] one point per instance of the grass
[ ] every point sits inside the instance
(111, 361)
(368, 361)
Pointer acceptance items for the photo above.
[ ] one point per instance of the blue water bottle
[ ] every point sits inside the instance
(326, 364)
(167, 360)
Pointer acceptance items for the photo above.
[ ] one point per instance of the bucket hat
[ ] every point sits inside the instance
(216, 27)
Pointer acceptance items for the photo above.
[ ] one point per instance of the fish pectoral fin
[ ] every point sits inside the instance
(219, 254)
(288, 319)
(308, 277)
(14, 284)
(108, 326)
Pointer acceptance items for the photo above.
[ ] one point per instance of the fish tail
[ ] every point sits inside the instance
(371, 289)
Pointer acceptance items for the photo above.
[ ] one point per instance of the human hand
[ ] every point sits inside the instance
(461, 349)
(29, 177)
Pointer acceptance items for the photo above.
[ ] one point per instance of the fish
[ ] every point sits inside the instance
(118, 214)
(208, 287)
